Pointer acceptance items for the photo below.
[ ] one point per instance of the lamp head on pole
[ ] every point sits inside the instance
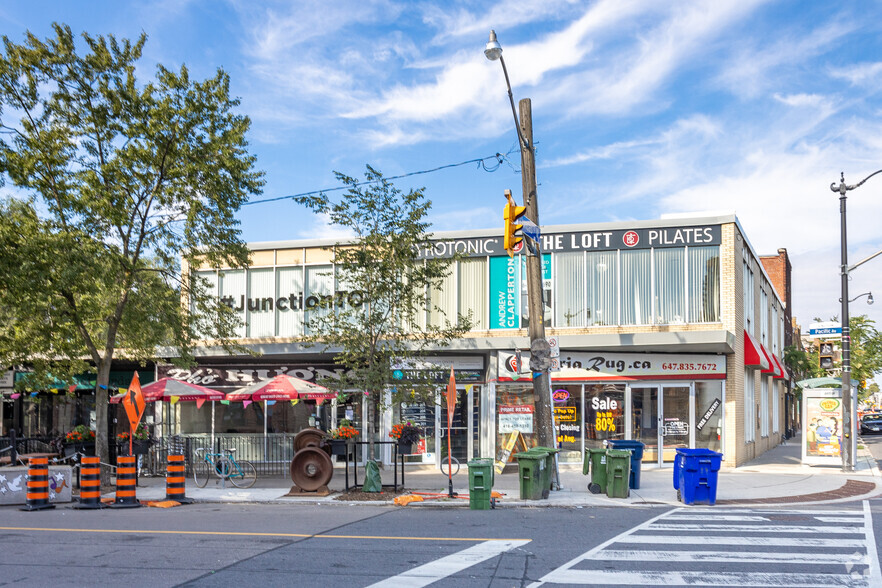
(493, 50)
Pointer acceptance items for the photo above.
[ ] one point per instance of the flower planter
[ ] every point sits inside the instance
(405, 448)
(139, 447)
(339, 446)
(84, 448)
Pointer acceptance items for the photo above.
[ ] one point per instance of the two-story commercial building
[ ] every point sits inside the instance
(665, 331)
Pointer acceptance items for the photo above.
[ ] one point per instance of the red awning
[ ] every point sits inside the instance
(771, 369)
(780, 371)
(753, 353)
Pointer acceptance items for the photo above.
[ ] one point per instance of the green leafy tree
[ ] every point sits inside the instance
(380, 339)
(117, 183)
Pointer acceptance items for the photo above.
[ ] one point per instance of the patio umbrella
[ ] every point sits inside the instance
(282, 387)
(168, 388)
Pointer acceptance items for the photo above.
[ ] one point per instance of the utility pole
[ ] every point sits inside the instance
(535, 302)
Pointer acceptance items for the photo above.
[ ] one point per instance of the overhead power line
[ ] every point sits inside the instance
(481, 162)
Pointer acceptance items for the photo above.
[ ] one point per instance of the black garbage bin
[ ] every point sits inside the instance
(636, 448)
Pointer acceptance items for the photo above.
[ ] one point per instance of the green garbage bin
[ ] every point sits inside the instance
(548, 471)
(595, 458)
(531, 472)
(618, 473)
(481, 484)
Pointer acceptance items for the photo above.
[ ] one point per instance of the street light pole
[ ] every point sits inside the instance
(535, 304)
(849, 408)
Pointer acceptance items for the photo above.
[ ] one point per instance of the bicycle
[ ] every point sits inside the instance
(241, 474)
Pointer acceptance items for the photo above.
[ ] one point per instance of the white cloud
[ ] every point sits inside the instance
(859, 73)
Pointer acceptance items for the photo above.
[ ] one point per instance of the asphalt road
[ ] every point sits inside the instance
(281, 545)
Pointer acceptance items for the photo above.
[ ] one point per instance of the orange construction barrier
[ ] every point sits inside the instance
(90, 483)
(126, 482)
(175, 485)
(38, 484)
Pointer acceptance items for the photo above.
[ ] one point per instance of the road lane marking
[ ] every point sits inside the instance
(722, 540)
(875, 577)
(760, 529)
(735, 557)
(444, 567)
(250, 534)
(682, 578)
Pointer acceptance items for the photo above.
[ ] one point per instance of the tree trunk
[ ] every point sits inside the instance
(102, 447)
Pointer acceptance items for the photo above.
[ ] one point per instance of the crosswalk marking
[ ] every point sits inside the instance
(716, 540)
(607, 577)
(686, 546)
(447, 566)
(758, 529)
(746, 556)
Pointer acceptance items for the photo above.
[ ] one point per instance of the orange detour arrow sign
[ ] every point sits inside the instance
(134, 404)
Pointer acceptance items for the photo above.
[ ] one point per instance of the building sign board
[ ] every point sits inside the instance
(582, 241)
(610, 366)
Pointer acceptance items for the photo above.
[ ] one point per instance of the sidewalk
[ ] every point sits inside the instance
(776, 477)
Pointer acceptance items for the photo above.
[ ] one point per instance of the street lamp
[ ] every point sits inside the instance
(869, 296)
(536, 307)
(849, 408)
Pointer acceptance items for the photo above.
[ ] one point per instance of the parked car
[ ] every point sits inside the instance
(871, 423)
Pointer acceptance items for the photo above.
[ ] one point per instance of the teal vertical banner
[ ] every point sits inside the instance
(546, 290)
(504, 293)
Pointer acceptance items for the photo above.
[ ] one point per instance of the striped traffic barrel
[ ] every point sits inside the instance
(90, 483)
(126, 482)
(38, 484)
(175, 480)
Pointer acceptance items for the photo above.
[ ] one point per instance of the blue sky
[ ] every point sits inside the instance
(640, 108)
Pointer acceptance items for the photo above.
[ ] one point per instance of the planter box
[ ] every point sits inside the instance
(14, 486)
(405, 448)
(84, 448)
(340, 447)
(139, 447)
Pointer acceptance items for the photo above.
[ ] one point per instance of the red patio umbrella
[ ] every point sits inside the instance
(282, 387)
(166, 388)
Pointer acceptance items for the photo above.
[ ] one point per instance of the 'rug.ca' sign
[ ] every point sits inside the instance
(604, 365)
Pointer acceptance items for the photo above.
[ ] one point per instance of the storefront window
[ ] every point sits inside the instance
(602, 276)
(231, 286)
(515, 426)
(422, 415)
(709, 414)
(670, 286)
(568, 421)
(472, 288)
(289, 281)
(604, 413)
(261, 302)
(635, 294)
(704, 284)
(569, 272)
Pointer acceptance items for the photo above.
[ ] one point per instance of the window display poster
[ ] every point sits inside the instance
(515, 417)
(823, 427)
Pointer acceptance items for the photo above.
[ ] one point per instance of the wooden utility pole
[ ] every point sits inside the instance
(535, 303)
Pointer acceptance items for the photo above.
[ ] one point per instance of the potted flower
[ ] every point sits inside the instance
(342, 436)
(80, 440)
(140, 441)
(406, 434)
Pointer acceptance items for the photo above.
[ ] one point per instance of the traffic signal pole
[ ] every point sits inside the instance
(536, 305)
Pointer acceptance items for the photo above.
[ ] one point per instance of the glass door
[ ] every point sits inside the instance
(460, 432)
(645, 420)
(675, 420)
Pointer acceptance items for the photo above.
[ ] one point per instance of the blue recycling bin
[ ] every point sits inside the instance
(678, 460)
(636, 448)
(697, 479)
